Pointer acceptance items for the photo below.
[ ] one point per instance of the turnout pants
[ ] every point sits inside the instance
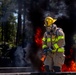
(54, 59)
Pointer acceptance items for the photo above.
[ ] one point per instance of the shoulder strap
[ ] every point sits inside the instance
(57, 31)
(46, 38)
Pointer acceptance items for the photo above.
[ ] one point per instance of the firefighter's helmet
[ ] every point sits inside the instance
(49, 21)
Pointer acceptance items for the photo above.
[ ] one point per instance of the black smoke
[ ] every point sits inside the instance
(36, 11)
(64, 11)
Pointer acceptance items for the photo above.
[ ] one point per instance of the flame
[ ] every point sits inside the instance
(38, 37)
(38, 40)
(43, 68)
(71, 67)
(43, 58)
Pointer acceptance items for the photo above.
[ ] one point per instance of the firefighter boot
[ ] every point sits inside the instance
(47, 68)
(56, 69)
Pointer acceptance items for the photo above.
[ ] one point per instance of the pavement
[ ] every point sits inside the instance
(29, 71)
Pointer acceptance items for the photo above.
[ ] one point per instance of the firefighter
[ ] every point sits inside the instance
(53, 43)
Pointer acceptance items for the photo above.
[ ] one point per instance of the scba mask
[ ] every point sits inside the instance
(53, 27)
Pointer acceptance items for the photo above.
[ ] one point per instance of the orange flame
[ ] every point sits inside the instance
(71, 67)
(38, 40)
(43, 68)
(43, 58)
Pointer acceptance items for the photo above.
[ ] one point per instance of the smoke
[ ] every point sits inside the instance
(56, 9)
(8, 7)
(21, 54)
(19, 57)
(62, 10)
(74, 9)
(29, 31)
(75, 4)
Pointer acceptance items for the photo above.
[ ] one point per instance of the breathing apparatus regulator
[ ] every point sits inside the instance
(49, 23)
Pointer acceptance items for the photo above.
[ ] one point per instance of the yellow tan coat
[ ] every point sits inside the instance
(57, 40)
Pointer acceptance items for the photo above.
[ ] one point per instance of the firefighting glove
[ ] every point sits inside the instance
(52, 47)
(45, 51)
